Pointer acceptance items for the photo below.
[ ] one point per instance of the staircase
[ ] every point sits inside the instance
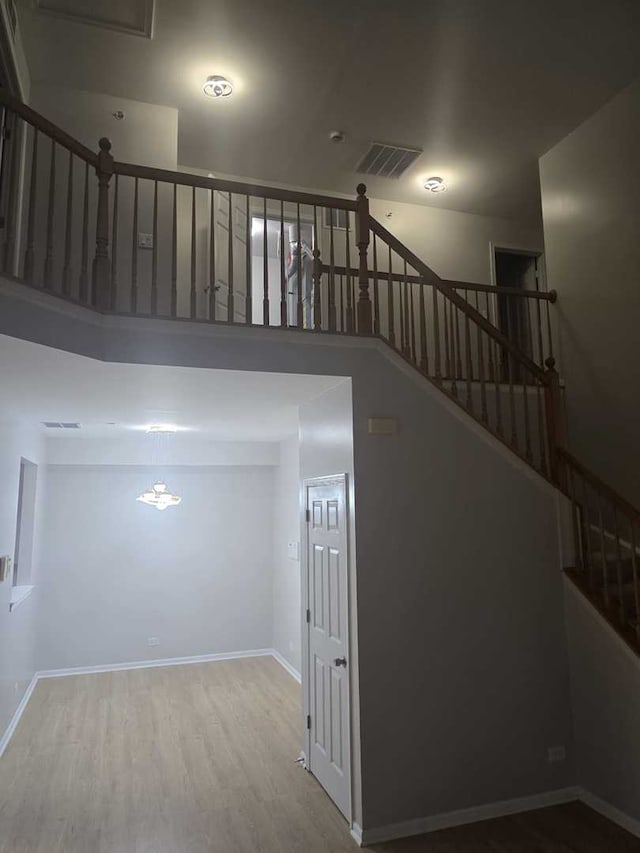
(136, 241)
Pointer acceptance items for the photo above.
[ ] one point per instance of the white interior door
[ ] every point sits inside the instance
(329, 757)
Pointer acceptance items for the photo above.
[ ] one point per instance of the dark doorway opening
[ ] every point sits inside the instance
(516, 271)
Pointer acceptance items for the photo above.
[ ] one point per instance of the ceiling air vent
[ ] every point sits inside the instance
(127, 16)
(387, 161)
(60, 425)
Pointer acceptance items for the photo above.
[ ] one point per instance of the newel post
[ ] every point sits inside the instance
(555, 422)
(365, 325)
(101, 263)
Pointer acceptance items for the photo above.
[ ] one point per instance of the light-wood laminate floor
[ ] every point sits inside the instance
(201, 759)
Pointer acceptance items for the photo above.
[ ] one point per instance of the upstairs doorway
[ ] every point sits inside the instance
(514, 270)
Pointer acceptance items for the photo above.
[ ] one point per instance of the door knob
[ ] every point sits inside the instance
(340, 661)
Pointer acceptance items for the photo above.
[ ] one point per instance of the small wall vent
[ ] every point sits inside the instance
(60, 425)
(387, 161)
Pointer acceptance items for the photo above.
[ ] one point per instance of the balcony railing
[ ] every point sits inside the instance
(133, 240)
(130, 239)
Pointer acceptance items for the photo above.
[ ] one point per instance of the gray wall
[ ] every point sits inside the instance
(605, 686)
(591, 207)
(462, 656)
(17, 628)
(463, 667)
(116, 572)
(148, 135)
(286, 571)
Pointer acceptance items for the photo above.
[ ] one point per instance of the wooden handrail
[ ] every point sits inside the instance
(188, 179)
(525, 293)
(430, 277)
(47, 127)
(598, 484)
(550, 295)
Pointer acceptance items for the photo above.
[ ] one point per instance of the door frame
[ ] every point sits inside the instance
(343, 479)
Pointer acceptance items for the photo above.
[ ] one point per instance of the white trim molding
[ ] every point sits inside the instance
(18, 595)
(293, 672)
(611, 812)
(144, 664)
(6, 737)
(140, 664)
(446, 820)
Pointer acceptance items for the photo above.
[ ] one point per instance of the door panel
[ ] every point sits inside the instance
(328, 705)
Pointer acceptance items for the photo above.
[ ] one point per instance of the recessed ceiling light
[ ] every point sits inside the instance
(435, 184)
(217, 87)
(162, 428)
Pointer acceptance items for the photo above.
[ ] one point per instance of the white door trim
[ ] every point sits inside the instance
(343, 480)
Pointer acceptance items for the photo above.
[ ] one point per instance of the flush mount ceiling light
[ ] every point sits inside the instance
(435, 184)
(217, 87)
(159, 496)
(162, 428)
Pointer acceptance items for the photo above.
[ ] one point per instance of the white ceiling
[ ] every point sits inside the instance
(39, 384)
(483, 86)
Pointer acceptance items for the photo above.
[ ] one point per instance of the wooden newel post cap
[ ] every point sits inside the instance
(361, 189)
(550, 362)
(104, 166)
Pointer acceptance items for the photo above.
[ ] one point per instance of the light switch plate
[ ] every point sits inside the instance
(293, 550)
(5, 568)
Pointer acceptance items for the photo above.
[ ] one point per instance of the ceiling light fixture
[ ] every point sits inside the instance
(159, 496)
(435, 184)
(217, 87)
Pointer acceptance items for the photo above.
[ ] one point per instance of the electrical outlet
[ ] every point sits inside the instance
(555, 754)
(145, 241)
(153, 641)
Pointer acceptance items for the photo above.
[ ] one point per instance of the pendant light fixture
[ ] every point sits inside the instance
(159, 495)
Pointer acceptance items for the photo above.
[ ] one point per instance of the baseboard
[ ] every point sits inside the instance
(141, 664)
(144, 664)
(611, 812)
(6, 737)
(391, 832)
(293, 672)
(356, 833)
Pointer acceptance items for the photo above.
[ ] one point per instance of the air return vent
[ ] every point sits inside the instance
(61, 425)
(387, 161)
(128, 16)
